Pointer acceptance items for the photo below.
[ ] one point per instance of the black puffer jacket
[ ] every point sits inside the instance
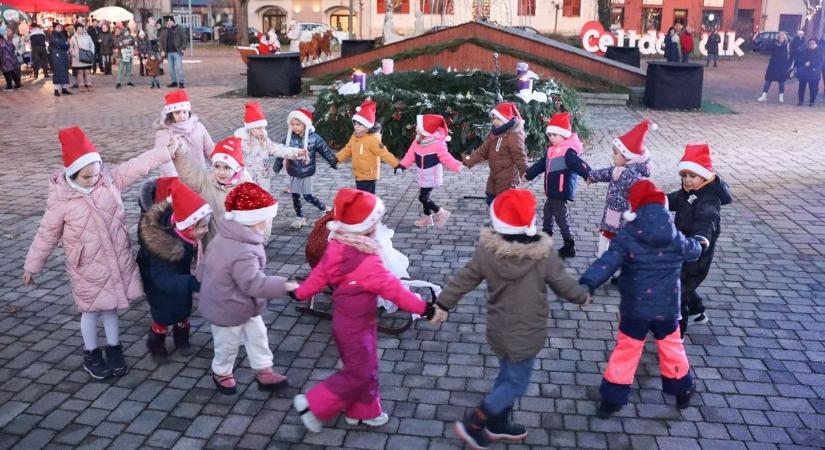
(315, 144)
(698, 214)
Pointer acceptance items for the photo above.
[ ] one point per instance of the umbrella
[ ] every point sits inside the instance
(10, 14)
(112, 14)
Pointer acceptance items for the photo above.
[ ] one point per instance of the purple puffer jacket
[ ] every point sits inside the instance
(620, 179)
(234, 287)
(8, 55)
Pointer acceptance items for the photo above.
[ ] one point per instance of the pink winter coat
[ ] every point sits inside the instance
(193, 137)
(99, 260)
(428, 160)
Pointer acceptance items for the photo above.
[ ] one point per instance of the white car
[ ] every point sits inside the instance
(310, 26)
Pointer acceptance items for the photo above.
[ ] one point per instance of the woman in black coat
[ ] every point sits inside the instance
(779, 67)
(672, 46)
(59, 55)
(809, 71)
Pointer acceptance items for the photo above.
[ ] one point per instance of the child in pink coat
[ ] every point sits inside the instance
(352, 266)
(429, 152)
(85, 209)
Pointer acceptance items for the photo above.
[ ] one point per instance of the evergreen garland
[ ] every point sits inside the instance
(463, 98)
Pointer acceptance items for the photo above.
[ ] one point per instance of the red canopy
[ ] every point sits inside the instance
(34, 6)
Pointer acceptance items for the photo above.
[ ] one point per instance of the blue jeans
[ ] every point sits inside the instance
(767, 86)
(511, 383)
(176, 66)
(124, 71)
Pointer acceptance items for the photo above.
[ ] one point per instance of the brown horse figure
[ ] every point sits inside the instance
(324, 44)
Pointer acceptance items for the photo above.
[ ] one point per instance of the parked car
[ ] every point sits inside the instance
(229, 34)
(203, 34)
(309, 26)
(763, 40)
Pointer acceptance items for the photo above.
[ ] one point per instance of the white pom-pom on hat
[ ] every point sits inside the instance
(629, 216)
(448, 138)
(654, 126)
(357, 109)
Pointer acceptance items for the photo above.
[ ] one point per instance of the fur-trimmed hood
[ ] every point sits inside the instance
(157, 236)
(510, 256)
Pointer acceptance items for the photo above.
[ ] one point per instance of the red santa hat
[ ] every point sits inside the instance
(514, 212)
(187, 206)
(632, 144)
(304, 116)
(78, 152)
(365, 114)
(432, 125)
(697, 160)
(163, 188)
(642, 193)
(505, 111)
(230, 152)
(249, 204)
(254, 116)
(559, 124)
(355, 211)
(176, 101)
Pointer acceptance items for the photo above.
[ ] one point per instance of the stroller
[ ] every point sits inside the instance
(391, 320)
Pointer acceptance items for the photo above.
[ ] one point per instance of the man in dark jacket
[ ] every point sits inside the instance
(92, 30)
(40, 57)
(650, 251)
(809, 71)
(712, 47)
(173, 41)
(797, 44)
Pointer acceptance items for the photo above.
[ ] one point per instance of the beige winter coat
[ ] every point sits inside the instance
(517, 277)
(102, 270)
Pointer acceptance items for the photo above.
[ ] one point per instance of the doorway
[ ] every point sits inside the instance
(274, 18)
(680, 16)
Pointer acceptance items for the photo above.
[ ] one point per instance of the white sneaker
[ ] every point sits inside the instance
(762, 97)
(374, 422)
(301, 404)
(698, 319)
(298, 223)
(781, 98)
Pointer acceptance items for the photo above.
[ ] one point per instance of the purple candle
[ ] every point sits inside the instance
(521, 69)
(360, 78)
(525, 83)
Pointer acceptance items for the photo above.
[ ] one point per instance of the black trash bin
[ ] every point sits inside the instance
(273, 75)
(625, 55)
(351, 47)
(673, 85)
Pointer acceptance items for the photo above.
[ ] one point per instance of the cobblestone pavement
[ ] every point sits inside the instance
(760, 363)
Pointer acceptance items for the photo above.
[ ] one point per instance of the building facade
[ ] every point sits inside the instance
(703, 15)
(783, 15)
(546, 16)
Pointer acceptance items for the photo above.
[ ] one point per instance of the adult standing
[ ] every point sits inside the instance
(126, 46)
(81, 46)
(173, 41)
(809, 71)
(106, 40)
(672, 46)
(59, 54)
(798, 43)
(712, 47)
(779, 67)
(40, 57)
(687, 43)
(144, 49)
(9, 63)
(92, 30)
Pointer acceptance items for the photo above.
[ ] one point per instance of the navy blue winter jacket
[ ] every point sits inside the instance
(560, 174)
(315, 144)
(650, 251)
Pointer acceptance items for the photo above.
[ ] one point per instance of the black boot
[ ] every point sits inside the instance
(156, 344)
(568, 250)
(499, 428)
(471, 429)
(607, 409)
(94, 364)
(181, 336)
(65, 91)
(115, 361)
(683, 400)
(56, 93)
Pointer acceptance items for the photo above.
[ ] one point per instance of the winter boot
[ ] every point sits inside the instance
(301, 404)
(65, 91)
(425, 222)
(225, 384)
(471, 429)
(683, 400)
(607, 409)
(298, 223)
(156, 344)
(568, 250)
(94, 364)
(180, 333)
(781, 98)
(115, 361)
(762, 97)
(268, 380)
(499, 428)
(441, 217)
(374, 422)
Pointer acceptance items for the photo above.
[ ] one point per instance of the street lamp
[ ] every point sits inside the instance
(556, 4)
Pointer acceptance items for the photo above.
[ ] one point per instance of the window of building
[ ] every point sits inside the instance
(744, 22)
(436, 7)
(527, 7)
(274, 18)
(339, 20)
(617, 16)
(790, 23)
(680, 16)
(651, 19)
(711, 19)
(398, 6)
(572, 8)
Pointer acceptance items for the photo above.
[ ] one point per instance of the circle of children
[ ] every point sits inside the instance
(206, 220)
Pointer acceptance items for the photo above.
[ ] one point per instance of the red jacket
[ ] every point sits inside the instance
(687, 42)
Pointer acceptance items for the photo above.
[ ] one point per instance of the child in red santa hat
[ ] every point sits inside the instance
(352, 266)
(178, 120)
(85, 209)
(366, 149)
(258, 149)
(698, 207)
(503, 150)
(429, 151)
(169, 235)
(235, 289)
(631, 163)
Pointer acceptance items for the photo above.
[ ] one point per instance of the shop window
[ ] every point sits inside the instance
(527, 7)
(617, 16)
(711, 19)
(436, 7)
(398, 6)
(339, 20)
(680, 16)
(744, 23)
(790, 23)
(572, 8)
(651, 19)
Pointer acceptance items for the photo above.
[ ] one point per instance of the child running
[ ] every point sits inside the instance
(559, 165)
(650, 251)
(352, 266)
(178, 120)
(85, 209)
(518, 265)
(429, 151)
(698, 207)
(365, 149)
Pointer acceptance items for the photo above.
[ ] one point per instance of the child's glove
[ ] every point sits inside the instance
(397, 168)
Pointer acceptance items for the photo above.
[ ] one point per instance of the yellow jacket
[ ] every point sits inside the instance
(366, 152)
